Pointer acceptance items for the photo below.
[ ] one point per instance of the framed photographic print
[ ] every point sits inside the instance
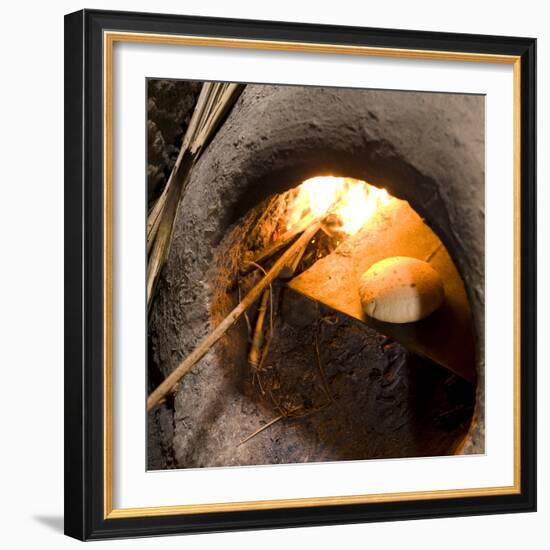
(300, 274)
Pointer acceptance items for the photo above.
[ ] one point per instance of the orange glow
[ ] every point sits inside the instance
(354, 201)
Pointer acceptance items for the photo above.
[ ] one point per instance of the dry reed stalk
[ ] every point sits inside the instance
(214, 102)
(159, 248)
(258, 339)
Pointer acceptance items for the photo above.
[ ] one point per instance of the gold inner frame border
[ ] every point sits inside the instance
(109, 39)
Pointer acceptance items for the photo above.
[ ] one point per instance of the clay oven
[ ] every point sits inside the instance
(332, 386)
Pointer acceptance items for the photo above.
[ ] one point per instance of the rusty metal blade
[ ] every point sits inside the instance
(446, 336)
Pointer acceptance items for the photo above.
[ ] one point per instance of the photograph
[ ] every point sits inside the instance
(299, 274)
(315, 274)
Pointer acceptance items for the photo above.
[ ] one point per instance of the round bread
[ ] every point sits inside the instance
(400, 290)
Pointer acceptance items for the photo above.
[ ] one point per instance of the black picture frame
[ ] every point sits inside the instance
(85, 516)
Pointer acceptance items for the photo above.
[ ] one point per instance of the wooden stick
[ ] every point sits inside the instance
(261, 429)
(258, 338)
(265, 350)
(200, 351)
(291, 266)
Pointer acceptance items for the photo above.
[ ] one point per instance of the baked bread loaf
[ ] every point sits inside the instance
(400, 290)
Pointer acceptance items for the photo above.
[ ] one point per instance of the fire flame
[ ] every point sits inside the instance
(353, 201)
